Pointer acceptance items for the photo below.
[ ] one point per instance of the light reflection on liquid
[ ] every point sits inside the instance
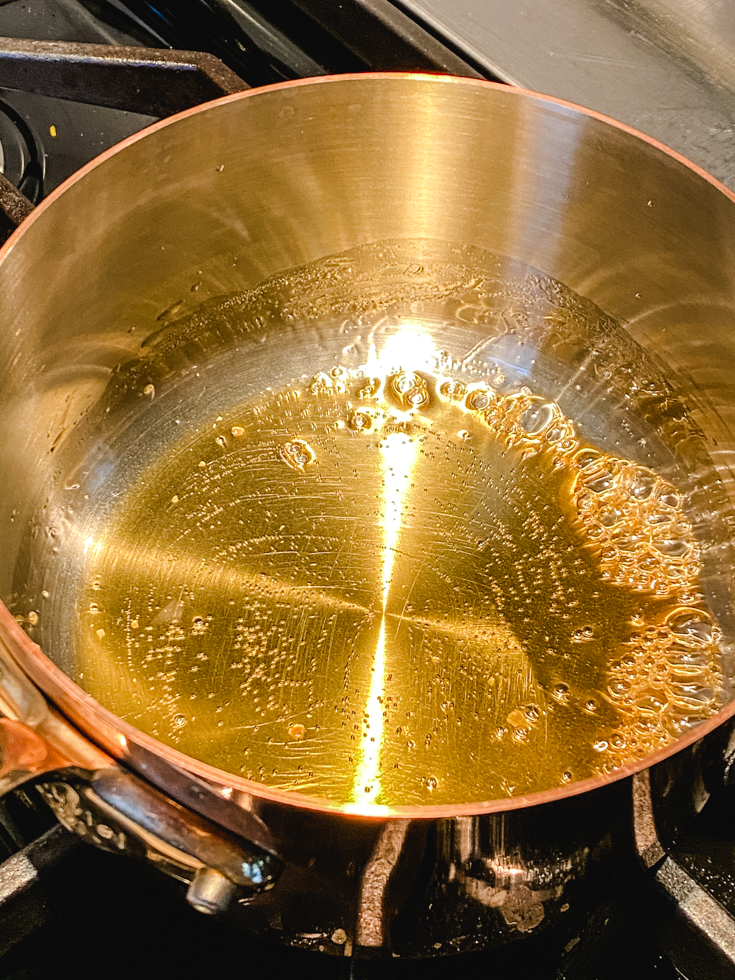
(399, 455)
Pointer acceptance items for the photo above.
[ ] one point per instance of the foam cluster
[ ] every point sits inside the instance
(666, 678)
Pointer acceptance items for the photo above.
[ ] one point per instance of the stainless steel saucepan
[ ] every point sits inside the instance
(367, 503)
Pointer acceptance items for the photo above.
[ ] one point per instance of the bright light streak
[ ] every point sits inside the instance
(91, 545)
(399, 455)
(407, 349)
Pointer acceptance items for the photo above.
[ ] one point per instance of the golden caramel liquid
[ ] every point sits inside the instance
(396, 589)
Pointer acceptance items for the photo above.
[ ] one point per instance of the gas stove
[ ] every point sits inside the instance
(78, 76)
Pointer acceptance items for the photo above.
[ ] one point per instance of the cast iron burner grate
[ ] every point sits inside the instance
(58, 882)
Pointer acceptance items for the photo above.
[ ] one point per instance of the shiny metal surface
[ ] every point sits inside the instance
(214, 203)
(664, 67)
(210, 892)
(116, 811)
(203, 233)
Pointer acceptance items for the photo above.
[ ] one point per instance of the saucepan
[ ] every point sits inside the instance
(367, 503)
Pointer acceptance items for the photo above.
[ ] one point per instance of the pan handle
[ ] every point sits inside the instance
(34, 738)
(24, 755)
(99, 800)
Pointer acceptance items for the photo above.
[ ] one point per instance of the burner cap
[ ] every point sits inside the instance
(18, 156)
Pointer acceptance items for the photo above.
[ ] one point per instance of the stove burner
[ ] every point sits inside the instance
(19, 158)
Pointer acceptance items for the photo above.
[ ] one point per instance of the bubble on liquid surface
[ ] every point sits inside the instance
(369, 388)
(537, 417)
(297, 454)
(480, 399)
(562, 693)
(362, 420)
(453, 390)
(409, 390)
(326, 384)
